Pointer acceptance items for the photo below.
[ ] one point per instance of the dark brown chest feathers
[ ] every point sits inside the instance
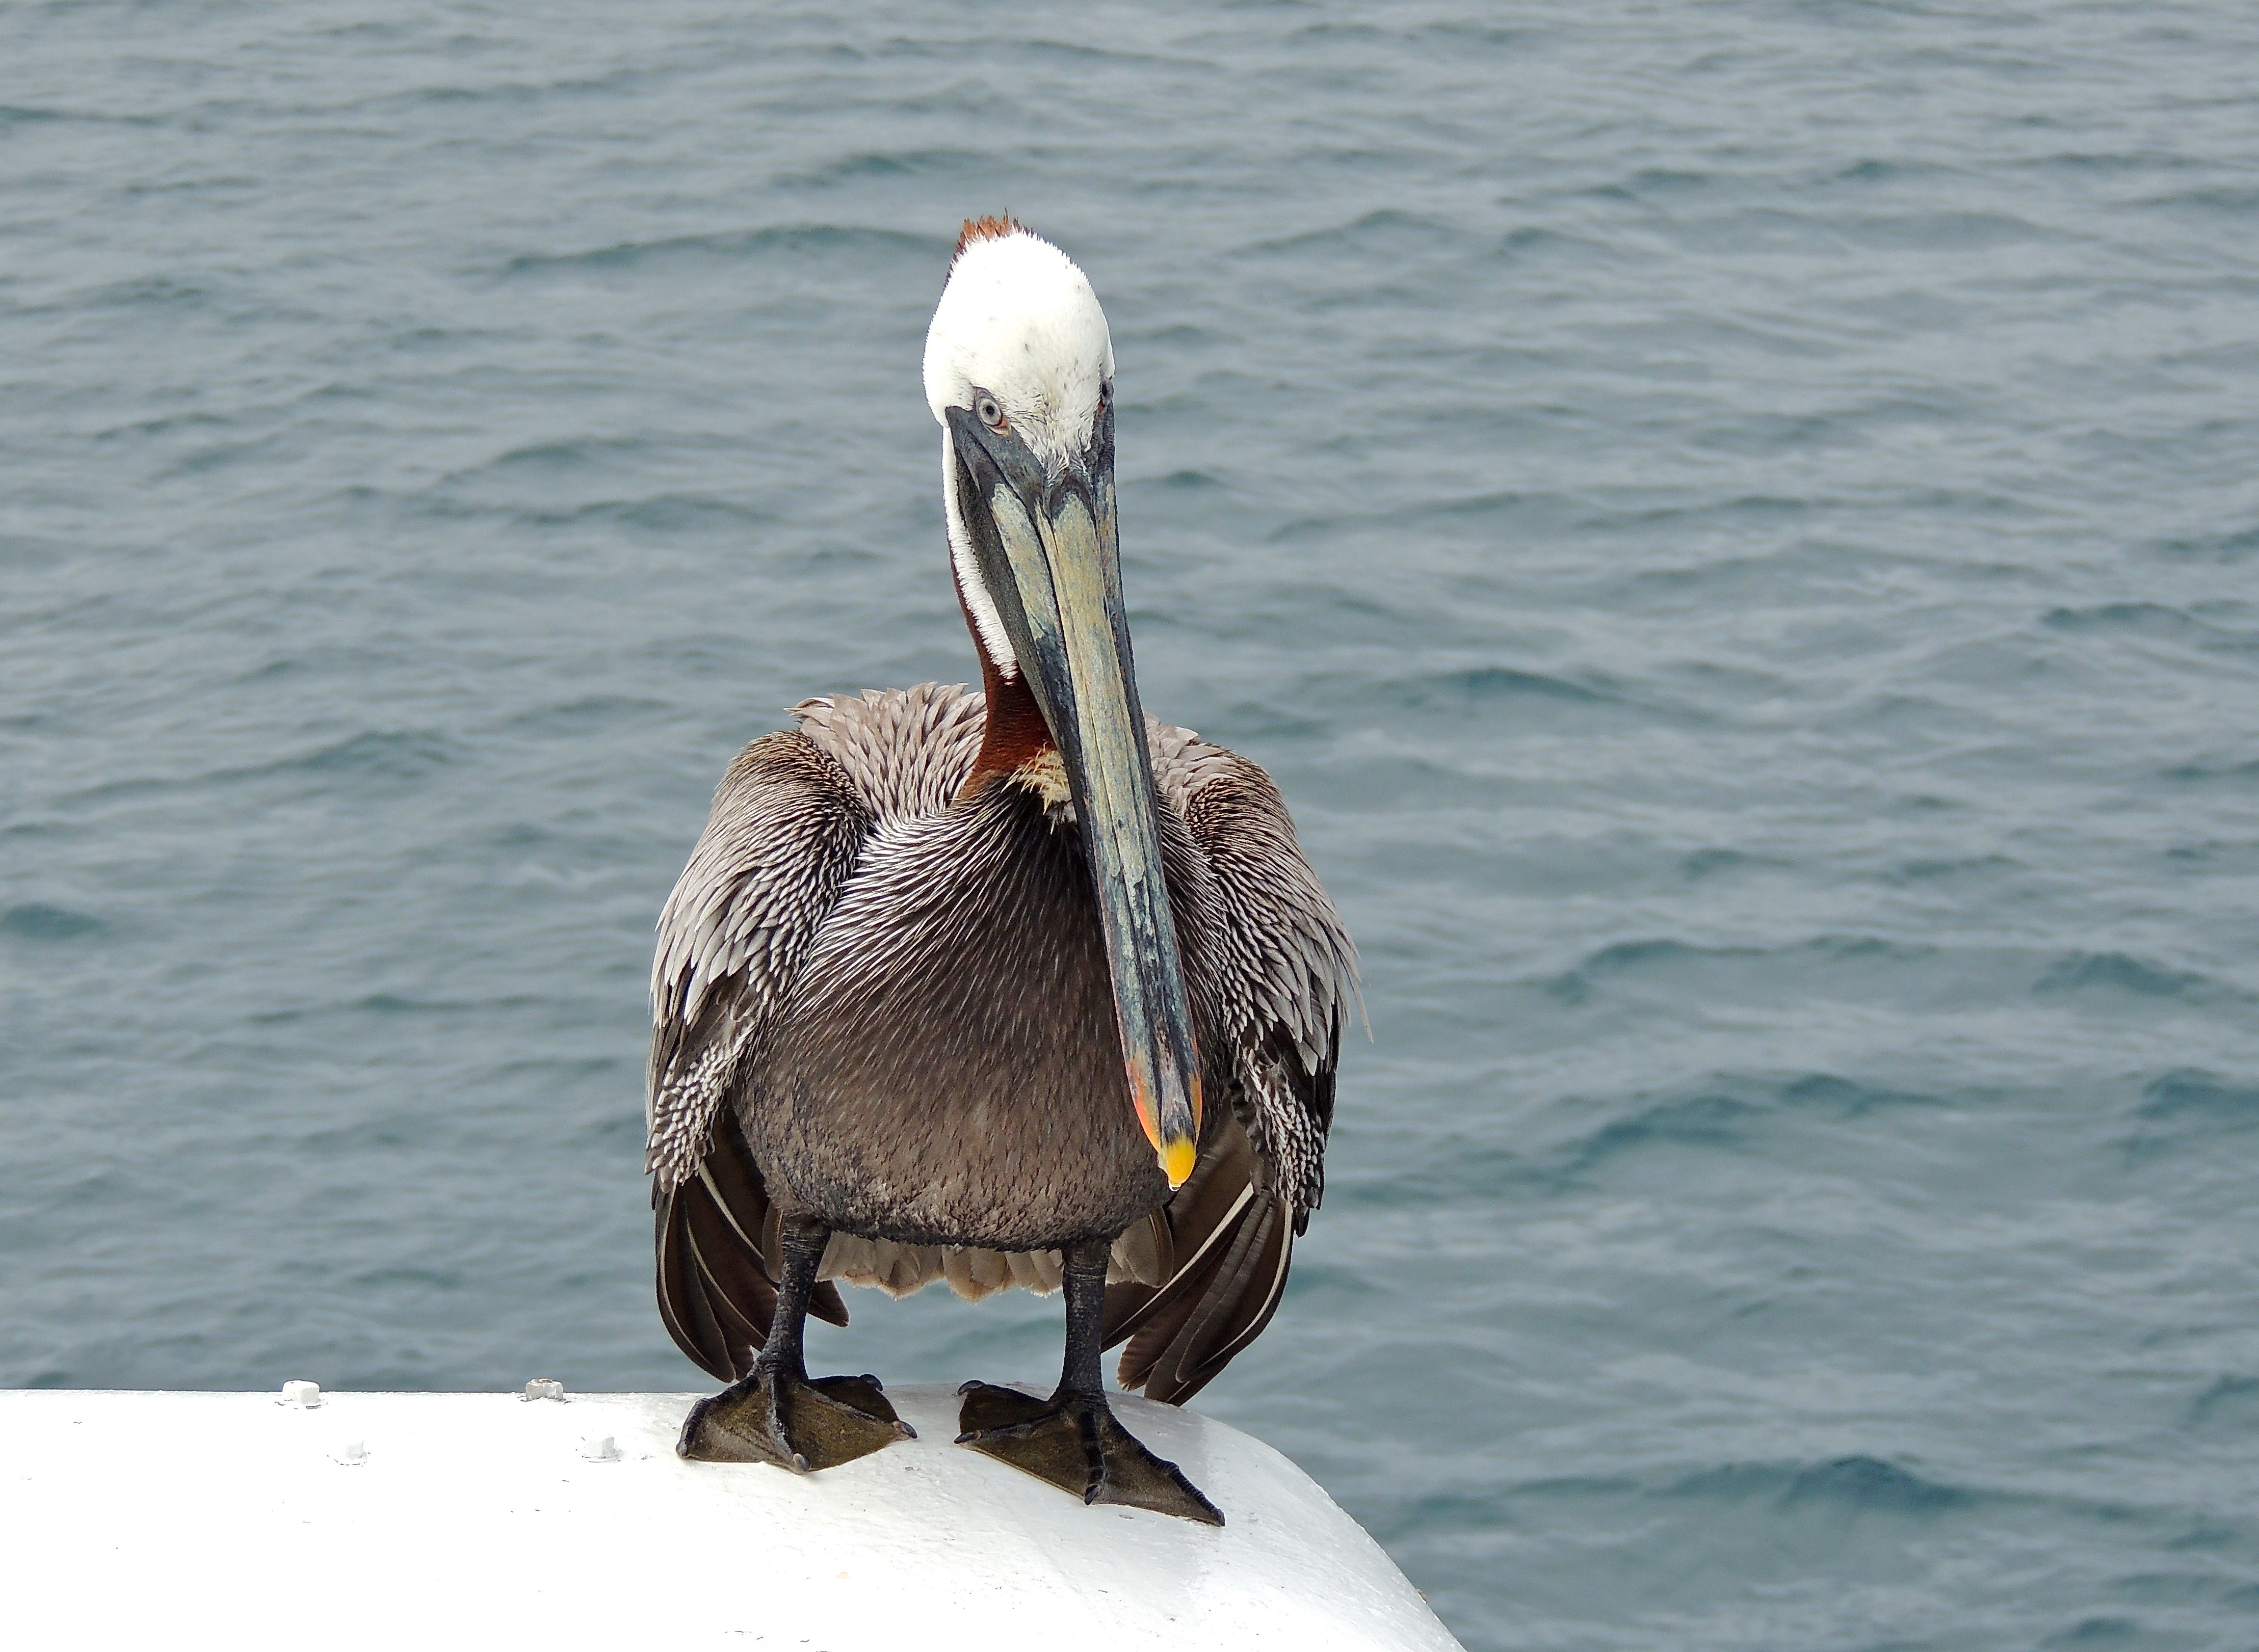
(949, 1068)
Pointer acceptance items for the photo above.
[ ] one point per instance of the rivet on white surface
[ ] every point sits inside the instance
(301, 1393)
(543, 1388)
(600, 1448)
(354, 1455)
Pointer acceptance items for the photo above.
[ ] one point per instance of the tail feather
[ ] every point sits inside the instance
(736, 1292)
(682, 1301)
(744, 1197)
(717, 1243)
(1232, 1245)
(1180, 1351)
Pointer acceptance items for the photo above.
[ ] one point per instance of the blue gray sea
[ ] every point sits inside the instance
(1735, 526)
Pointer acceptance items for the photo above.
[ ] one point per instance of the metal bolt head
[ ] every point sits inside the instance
(600, 1448)
(301, 1393)
(543, 1388)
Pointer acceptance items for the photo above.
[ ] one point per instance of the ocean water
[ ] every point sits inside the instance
(1737, 527)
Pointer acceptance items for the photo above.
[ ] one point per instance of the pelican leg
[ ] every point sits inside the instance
(1072, 1439)
(777, 1413)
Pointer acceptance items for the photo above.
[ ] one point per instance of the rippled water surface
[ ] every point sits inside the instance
(1737, 527)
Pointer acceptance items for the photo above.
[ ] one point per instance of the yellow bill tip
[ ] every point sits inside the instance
(1177, 1160)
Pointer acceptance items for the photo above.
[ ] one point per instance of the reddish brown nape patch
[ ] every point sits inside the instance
(1015, 734)
(985, 230)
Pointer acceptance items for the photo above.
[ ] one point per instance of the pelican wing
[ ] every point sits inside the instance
(785, 831)
(790, 820)
(1287, 972)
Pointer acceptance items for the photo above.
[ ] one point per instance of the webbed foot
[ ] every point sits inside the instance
(1074, 1441)
(793, 1421)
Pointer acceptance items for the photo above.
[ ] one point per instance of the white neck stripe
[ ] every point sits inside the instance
(995, 641)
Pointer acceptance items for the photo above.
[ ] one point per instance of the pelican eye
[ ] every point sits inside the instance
(991, 415)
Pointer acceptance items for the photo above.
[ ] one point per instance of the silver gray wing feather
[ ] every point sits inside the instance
(789, 821)
(1289, 971)
(905, 751)
(785, 831)
(1289, 968)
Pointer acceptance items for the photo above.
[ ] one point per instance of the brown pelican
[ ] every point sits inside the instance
(1014, 988)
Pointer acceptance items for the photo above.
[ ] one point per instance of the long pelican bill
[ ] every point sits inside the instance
(1043, 538)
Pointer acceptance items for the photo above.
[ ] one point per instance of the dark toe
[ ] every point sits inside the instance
(1134, 1477)
(731, 1427)
(806, 1426)
(864, 1395)
(984, 1407)
(1078, 1447)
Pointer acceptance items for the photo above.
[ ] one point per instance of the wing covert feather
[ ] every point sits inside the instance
(1289, 967)
(1289, 972)
(785, 831)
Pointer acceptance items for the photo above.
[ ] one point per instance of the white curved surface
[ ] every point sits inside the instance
(455, 1519)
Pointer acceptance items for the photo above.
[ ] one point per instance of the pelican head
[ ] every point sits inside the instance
(1019, 371)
